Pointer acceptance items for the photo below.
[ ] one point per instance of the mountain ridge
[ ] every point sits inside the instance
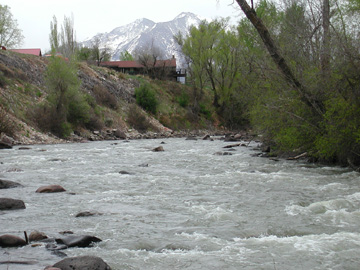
(142, 32)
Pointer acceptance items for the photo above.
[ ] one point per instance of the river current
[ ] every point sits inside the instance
(184, 208)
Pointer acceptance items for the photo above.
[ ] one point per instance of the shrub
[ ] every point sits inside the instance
(183, 100)
(145, 97)
(137, 119)
(6, 125)
(104, 97)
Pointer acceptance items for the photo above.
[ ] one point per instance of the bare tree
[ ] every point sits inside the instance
(100, 54)
(10, 34)
(149, 57)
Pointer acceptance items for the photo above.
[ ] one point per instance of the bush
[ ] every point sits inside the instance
(6, 125)
(104, 97)
(183, 100)
(145, 97)
(137, 119)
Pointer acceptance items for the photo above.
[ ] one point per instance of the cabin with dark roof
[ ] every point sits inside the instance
(164, 69)
(36, 52)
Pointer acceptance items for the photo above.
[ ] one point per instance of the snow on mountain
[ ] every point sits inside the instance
(144, 32)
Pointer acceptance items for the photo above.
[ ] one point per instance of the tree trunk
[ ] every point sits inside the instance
(276, 56)
(325, 53)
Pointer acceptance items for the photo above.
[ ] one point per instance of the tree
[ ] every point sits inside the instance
(64, 41)
(10, 34)
(149, 56)
(67, 106)
(126, 56)
(277, 56)
(54, 35)
(100, 54)
(68, 37)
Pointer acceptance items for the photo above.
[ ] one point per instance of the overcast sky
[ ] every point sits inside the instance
(99, 16)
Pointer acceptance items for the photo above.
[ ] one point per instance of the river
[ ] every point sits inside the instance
(184, 208)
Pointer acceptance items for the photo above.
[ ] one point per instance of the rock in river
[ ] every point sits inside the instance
(8, 240)
(50, 189)
(8, 184)
(82, 262)
(78, 240)
(11, 204)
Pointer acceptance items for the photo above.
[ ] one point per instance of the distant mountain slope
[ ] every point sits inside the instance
(143, 32)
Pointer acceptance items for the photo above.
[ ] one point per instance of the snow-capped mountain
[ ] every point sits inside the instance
(143, 32)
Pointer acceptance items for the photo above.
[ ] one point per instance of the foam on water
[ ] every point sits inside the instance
(187, 208)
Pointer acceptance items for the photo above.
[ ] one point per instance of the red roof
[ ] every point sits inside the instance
(135, 64)
(36, 52)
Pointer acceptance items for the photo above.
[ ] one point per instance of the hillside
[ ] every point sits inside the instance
(116, 114)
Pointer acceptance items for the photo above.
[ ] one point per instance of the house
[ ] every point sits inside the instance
(161, 68)
(36, 52)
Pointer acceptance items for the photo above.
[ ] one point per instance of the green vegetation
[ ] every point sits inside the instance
(146, 98)
(67, 106)
(289, 73)
(10, 34)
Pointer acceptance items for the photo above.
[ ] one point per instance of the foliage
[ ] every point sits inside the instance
(146, 98)
(67, 104)
(10, 34)
(126, 56)
(137, 119)
(64, 40)
(340, 138)
(6, 124)
(286, 116)
(98, 54)
(183, 99)
(84, 54)
(216, 56)
(104, 97)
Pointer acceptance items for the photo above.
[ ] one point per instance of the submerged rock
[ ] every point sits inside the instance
(87, 214)
(78, 240)
(11, 204)
(50, 189)
(82, 263)
(8, 184)
(158, 149)
(223, 154)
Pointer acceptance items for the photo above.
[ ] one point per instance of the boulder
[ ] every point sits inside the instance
(50, 189)
(8, 184)
(119, 134)
(82, 263)
(4, 145)
(78, 240)
(8, 240)
(37, 236)
(11, 204)
(207, 137)
(158, 149)
(6, 142)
